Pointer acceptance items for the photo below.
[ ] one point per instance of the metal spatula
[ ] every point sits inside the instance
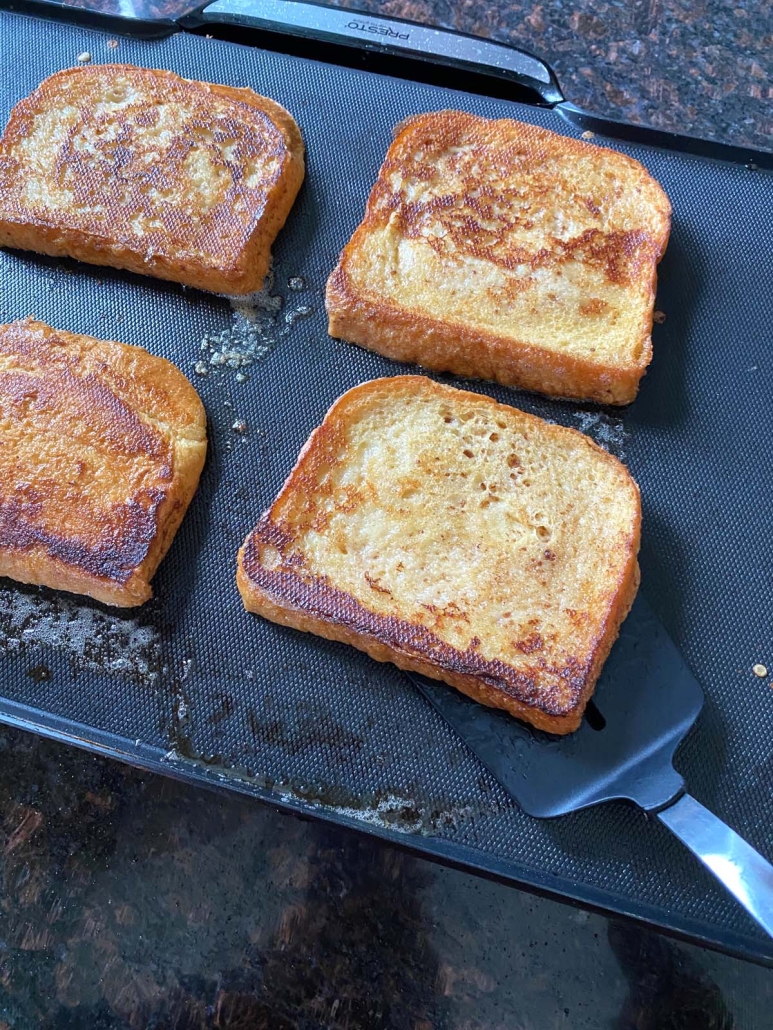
(648, 700)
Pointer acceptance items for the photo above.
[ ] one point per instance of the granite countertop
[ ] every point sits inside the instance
(131, 901)
(701, 67)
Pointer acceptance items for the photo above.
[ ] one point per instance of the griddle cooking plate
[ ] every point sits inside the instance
(317, 726)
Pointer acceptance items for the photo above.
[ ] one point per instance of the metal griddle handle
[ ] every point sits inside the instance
(741, 869)
(386, 35)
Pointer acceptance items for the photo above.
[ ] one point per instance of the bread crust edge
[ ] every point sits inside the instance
(415, 338)
(36, 567)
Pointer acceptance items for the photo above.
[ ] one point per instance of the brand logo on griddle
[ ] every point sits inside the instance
(377, 30)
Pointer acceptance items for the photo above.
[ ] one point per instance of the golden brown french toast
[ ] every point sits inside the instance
(499, 250)
(458, 538)
(101, 448)
(140, 169)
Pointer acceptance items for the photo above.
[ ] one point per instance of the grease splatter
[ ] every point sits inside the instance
(607, 431)
(93, 639)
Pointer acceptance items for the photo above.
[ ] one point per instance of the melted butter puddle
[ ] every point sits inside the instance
(255, 330)
(94, 639)
(605, 430)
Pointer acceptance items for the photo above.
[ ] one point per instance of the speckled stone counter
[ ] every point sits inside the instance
(130, 901)
(701, 67)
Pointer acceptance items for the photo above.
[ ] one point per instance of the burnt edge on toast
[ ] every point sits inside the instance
(310, 604)
(336, 615)
(452, 345)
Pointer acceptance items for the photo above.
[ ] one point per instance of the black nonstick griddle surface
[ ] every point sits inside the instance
(194, 686)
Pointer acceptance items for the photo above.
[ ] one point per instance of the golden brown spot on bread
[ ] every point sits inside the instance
(533, 642)
(374, 584)
(594, 306)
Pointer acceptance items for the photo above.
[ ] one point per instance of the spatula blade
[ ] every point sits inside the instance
(647, 700)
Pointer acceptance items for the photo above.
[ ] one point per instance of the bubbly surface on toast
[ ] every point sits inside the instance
(517, 231)
(504, 540)
(101, 445)
(152, 162)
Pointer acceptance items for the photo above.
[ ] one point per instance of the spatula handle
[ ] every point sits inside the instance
(742, 870)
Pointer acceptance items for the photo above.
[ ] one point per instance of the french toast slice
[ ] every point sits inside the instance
(500, 250)
(456, 537)
(101, 448)
(139, 169)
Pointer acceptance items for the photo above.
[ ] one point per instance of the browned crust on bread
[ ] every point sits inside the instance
(103, 445)
(292, 596)
(220, 250)
(452, 346)
(406, 334)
